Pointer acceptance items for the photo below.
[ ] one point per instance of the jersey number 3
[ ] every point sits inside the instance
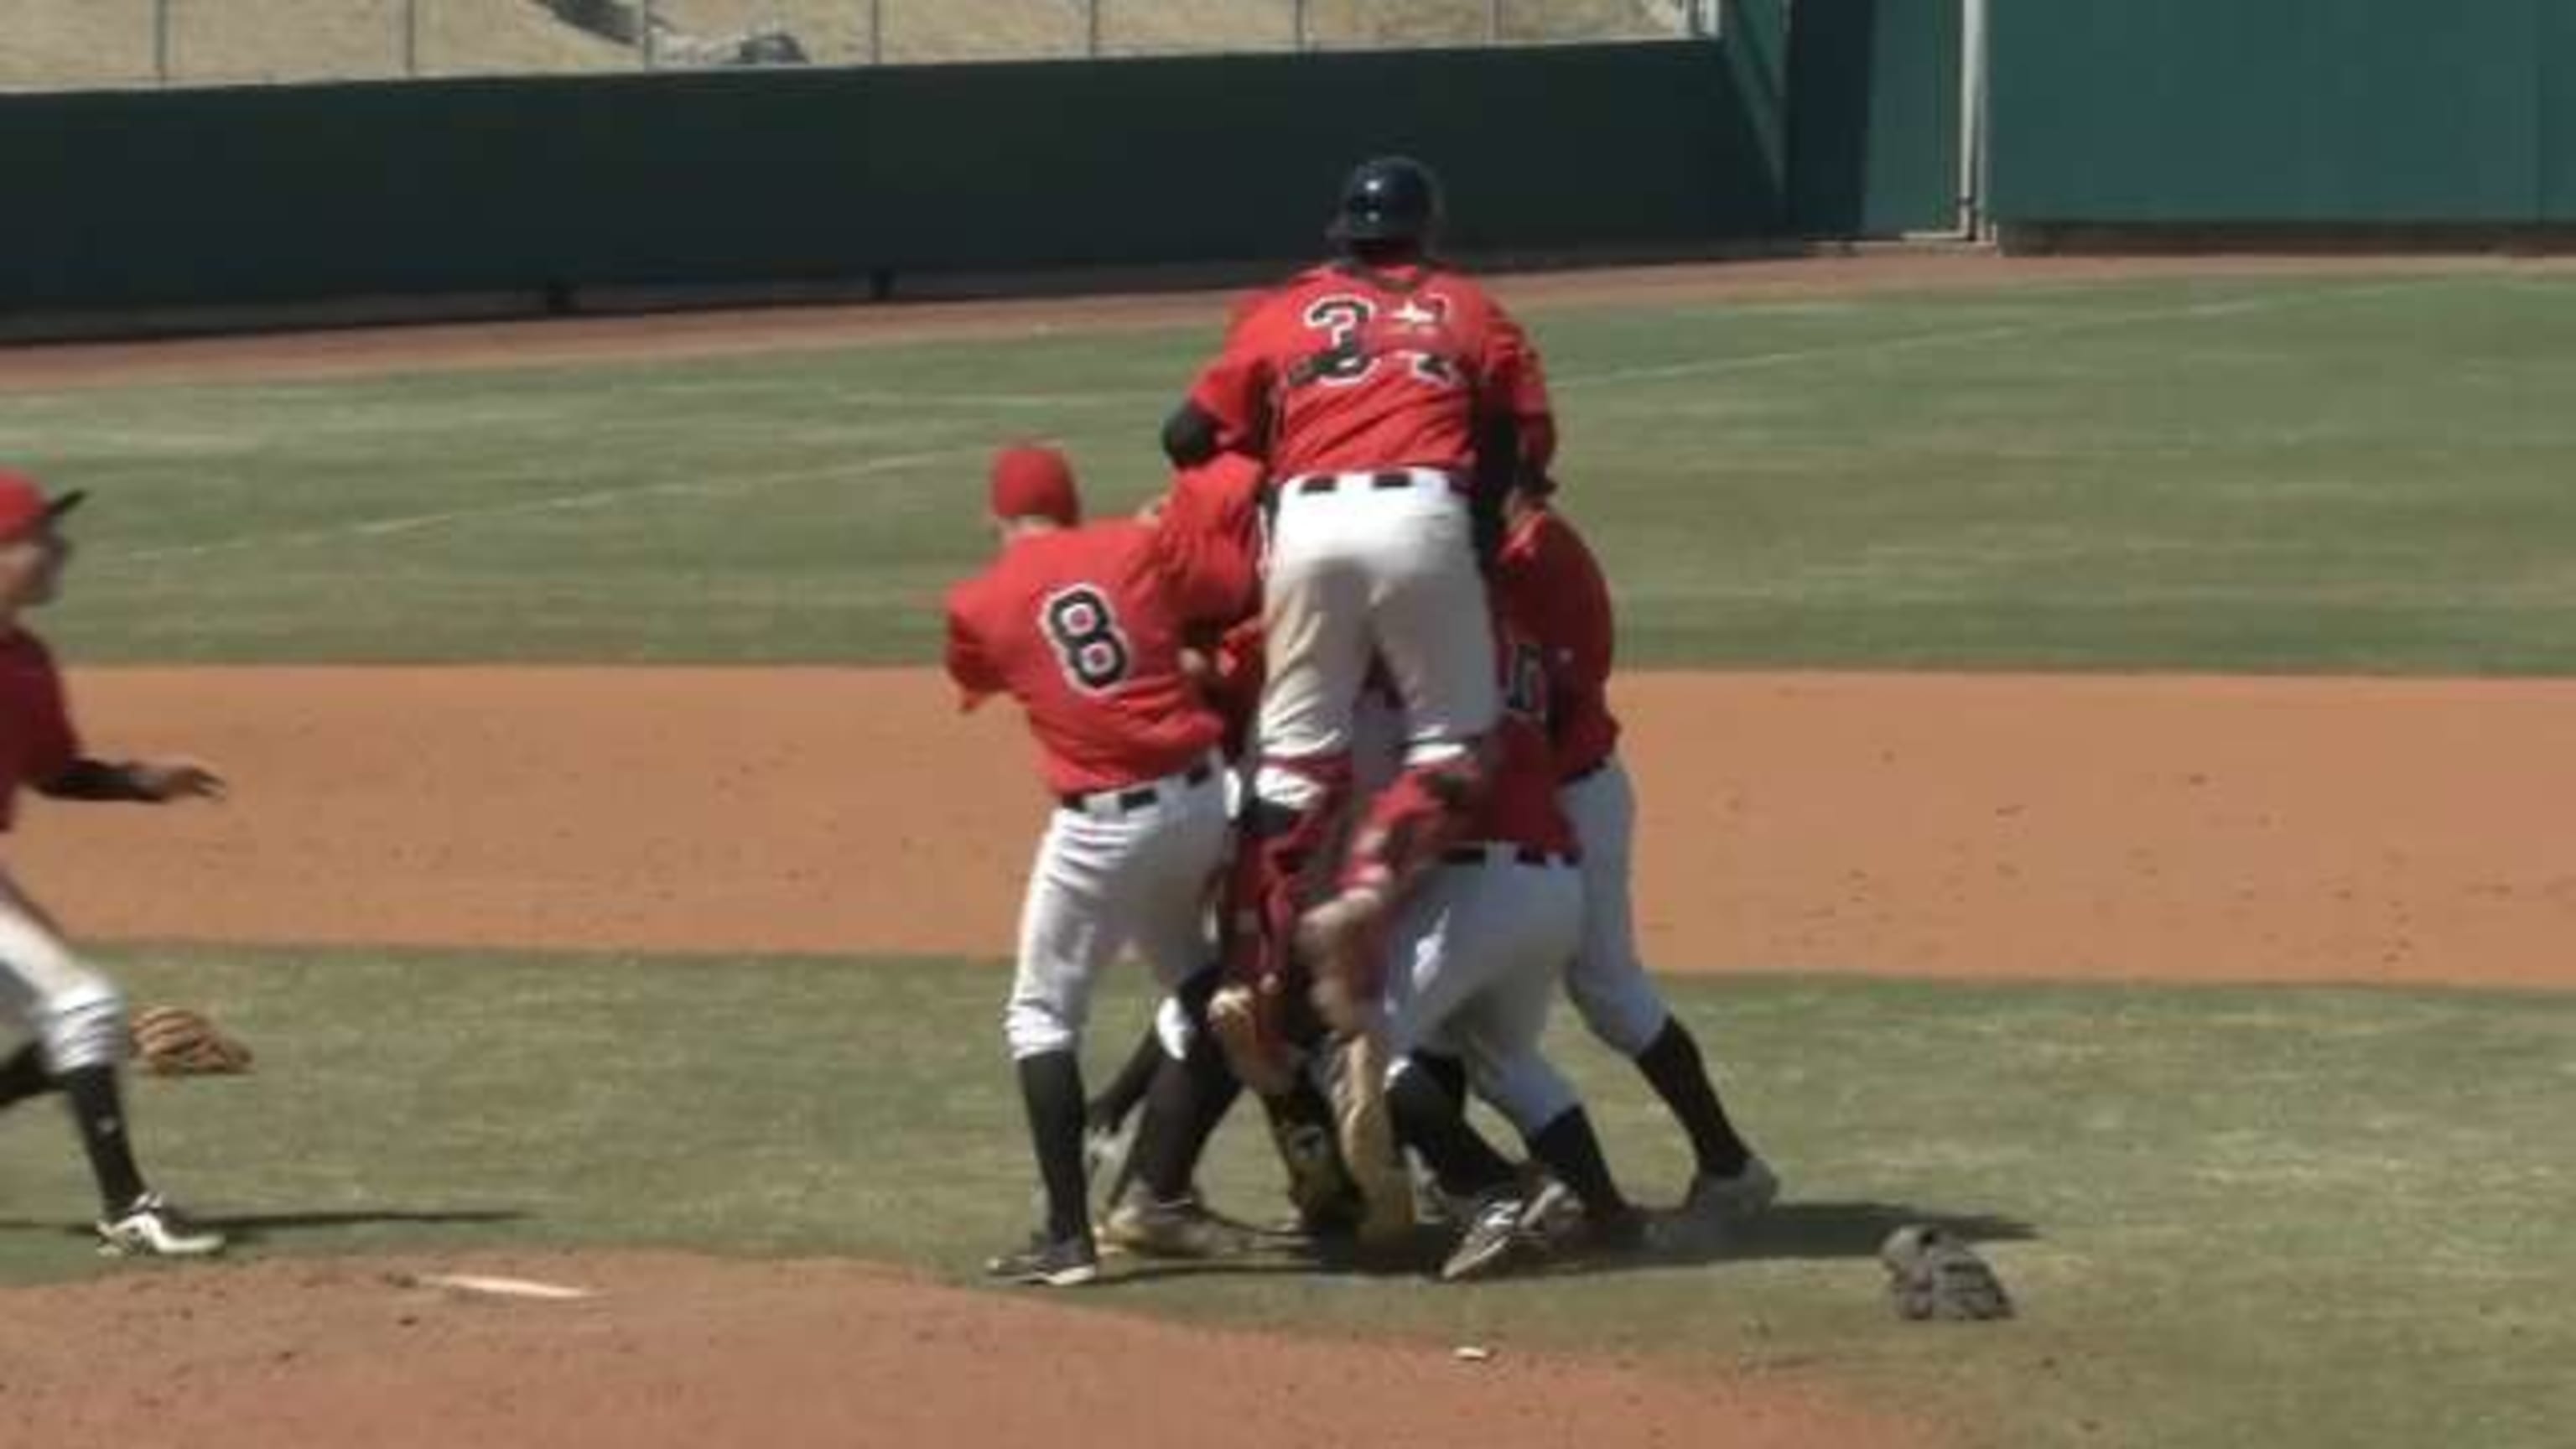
(1087, 640)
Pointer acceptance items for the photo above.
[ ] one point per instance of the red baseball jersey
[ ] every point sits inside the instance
(1348, 369)
(1076, 626)
(1520, 786)
(1233, 684)
(1551, 592)
(37, 741)
(1208, 542)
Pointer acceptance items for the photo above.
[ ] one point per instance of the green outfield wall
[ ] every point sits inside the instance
(263, 196)
(2310, 113)
(1873, 116)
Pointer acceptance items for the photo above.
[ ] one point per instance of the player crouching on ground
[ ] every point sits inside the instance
(76, 1016)
(1072, 621)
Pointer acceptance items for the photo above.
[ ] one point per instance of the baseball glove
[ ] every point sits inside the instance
(1932, 1275)
(173, 1041)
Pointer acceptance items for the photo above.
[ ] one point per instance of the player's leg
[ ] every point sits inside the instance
(1165, 905)
(1441, 952)
(1531, 918)
(1620, 1004)
(1431, 1120)
(1109, 1119)
(23, 1075)
(1430, 627)
(78, 1019)
(1110, 1107)
(1260, 1016)
(1068, 935)
(1315, 655)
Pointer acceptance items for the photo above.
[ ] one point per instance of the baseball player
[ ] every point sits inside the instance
(1378, 390)
(1474, 958)
(75, 1015)
(1073, 622)
(1208, 546)
(1557, 607)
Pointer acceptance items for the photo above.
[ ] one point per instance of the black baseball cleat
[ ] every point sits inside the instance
(153, 1227)
(1060, 1263)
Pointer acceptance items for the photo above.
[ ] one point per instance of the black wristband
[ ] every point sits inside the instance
(100, 780)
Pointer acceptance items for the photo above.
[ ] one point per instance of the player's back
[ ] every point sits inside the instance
(1520, 806)
(1347, 368)
(1076, 625)
(1553, 596)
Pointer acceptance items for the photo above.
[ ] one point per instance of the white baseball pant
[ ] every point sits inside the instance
(1608, 981)
(1476, 957)
(1369, 566)
(1109, 876)
(75, 1013)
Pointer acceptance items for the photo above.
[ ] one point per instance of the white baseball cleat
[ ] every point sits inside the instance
(152, 1227)
(1553, 1215)
(1045, 1263)
(1493, 1231)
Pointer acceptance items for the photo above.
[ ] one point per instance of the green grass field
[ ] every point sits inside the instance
(2233, 1216)
(2329, 474)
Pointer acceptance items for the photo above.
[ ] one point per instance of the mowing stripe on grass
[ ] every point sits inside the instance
(553, 503)
(742, 482)
(2002, 332)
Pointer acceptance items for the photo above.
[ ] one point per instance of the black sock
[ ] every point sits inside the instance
(24, 1075)
(99, 1114)
(1570, 1149)
(1051, 1088)
(1303, 1105)
(1184, 1099)
(1126, 1091)
(1433, 1123)
(1672, 1065)
(1449, 1072)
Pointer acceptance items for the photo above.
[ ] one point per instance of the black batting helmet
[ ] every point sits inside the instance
(1388, 199)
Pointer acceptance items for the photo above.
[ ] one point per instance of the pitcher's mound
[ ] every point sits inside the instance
(682, 1351)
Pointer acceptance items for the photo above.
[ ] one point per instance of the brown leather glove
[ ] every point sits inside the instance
(1932, 1275)
(173, 1041)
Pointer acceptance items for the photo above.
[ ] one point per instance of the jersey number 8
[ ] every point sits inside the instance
(1087, 640)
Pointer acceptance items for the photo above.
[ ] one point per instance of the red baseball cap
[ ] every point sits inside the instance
(24, 506)
(1034, 482)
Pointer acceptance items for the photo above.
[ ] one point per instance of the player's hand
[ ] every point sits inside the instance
(162, 781)
(1152, 511)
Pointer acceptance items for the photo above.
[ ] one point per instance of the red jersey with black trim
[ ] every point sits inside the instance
(1208, 542)
(1348, 368)
(1075, 624)
(1520, 805)
(37, 741)
(1551, 591)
